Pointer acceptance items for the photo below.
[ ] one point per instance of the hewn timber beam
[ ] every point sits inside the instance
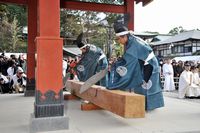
(18, 2)
(125, 104)
(91, 6)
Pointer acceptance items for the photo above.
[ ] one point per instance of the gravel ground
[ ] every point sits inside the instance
(174, 94)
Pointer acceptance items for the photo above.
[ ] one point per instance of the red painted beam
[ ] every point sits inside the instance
(91, 6)
(19, 2)
(129, 4)
(32, 33)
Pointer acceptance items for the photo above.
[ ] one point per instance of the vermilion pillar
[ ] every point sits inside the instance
(130, 10)
(32, 33)
(49, 107)
(49, 97)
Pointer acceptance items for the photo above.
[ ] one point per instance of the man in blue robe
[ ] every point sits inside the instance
(137, 70)
(92, 61)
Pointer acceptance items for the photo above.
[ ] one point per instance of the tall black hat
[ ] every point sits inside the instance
(120, 30)
(81, 41)
(120, 25)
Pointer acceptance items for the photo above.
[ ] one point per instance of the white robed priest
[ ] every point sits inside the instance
(168, 73)
(185, 81)
(194, 89)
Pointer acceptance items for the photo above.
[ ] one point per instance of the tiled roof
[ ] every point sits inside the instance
(193, 34)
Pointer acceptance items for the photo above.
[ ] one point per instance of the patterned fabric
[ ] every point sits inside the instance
(133, 60)
(92, 62)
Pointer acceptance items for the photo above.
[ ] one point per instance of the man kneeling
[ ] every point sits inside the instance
(18, 81)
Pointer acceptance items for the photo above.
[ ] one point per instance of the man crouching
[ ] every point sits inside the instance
(18, 81)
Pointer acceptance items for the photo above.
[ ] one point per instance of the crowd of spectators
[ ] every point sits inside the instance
(187, 73)
(12, 74)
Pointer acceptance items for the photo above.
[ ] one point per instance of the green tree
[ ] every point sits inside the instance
(12, 19)
(176, 30)
(5, 35)
(18, 12)
(14, 32)
(70, 23)
(73, 22)
(9, 36)
(3, 11)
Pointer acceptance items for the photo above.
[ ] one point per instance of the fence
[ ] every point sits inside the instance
(176, 82)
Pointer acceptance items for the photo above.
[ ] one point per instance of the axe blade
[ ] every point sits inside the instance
(93, 80)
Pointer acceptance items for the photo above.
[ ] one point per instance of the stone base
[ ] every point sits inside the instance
(29, 93)
(30, 88)
(48, 123)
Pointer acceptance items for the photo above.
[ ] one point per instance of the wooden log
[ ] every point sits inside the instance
(89, 106)
(125, 104)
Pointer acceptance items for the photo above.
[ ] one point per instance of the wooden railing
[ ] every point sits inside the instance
(176, 81)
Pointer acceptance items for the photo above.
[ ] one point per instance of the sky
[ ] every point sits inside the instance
(163, 15)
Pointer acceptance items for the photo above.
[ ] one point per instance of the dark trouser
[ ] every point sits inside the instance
(5, 88)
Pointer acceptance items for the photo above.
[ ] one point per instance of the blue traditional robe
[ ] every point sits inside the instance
(92, 62)
(128, 72)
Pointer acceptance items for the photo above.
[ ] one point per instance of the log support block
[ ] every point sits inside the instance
(85, 106)
(70, 97)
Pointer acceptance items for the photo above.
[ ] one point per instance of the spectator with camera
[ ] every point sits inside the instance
(18, 81)
(12, 69)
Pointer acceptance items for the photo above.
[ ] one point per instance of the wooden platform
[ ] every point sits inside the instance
(125, 104)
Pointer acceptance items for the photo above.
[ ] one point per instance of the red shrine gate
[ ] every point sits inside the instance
(44, 40)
